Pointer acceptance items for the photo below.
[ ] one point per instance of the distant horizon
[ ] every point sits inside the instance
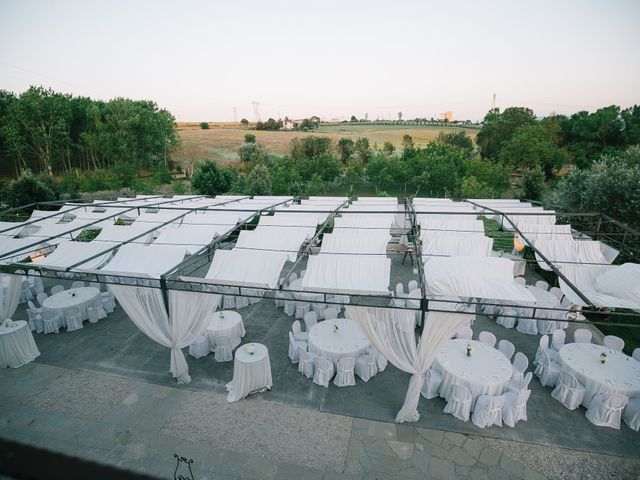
(206, 61)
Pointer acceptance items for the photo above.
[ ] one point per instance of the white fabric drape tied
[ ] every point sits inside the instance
(10, 290)
(392, 333)
(188, 317)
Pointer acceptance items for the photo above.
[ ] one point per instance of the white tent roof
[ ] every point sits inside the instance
(124, 233)
(604, 285)
(48, 228)
(251, 268)
(12, 228)
(161, 216)
(192, 237)
(353, 241)
(151, 260)
(365, 221)
(8, 244)
(287, 240)
(67, 254)
(545, 231)
(348, 274)
(572, 251)
(484, 277)
(223, 221)
(456, 244)
(292, 219)
(454, 224)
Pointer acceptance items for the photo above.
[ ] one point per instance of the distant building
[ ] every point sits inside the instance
(288, 124)
(446, 116)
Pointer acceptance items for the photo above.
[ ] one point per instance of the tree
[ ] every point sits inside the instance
(353, 118)
(285, 179)
(407, 142)
(388, 148)
(493, 175)
(458, 139)
(309, 147)
(363, 151)
(498, 127)
(252, 152)
(532, 184)
(244, 122)
(400, 116)
(352, 178)
(345, 148)
(29, 188)
(209, 179)
(258, 181)
(316, 186)
(249, 138)
(471, 187)
(204, 125)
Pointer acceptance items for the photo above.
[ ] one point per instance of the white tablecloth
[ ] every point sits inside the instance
(251, 373)
(619, 374)
(543, 299)
(485, 372)
(230, 324)
(348, 341)
(304, 297)
(74, 297)
(17, 346)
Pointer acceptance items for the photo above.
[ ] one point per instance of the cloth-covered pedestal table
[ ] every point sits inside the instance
(226, 323)
(17, 346)
(485, 372)
(619, 374)
(251, 372)
(544, 299)
(347, 341)
(75, 297)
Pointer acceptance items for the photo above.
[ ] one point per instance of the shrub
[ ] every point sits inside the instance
(532, 184)
(209, 179)
(29, 188)
(160, 176)
(252, 152)
(259, 181)
(178, 188)
(204, 125)
(250, 138)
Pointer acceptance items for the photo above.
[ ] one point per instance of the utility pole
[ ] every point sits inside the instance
(493, 103)
(256, 110)
(235, 115)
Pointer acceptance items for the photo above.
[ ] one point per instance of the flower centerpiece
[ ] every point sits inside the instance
(469, 350)
(251, 348)
(336, 328)
(8, 322)
(221, 315)
(603, 357)
(73, 294)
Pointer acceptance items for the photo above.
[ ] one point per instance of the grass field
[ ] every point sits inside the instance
(221, 141)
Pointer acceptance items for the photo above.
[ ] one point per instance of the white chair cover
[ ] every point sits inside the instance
(73, 319)
(507, 348)
(527, 325)
(431, 381)
(201, 347)
(543, 344)
(547, 371)
(413, 284)
(57, 289)
(520, 280)
(569, 391)
(605, 410)
(41, 297)
(556, 292)
(302, 308)
(542, 284)
(459, 404)
(51, 322)
(631, 414)
(289, 307)
(108, 302)
(613, 342)
(399, 291)
(223, 351)
(330, 313)
(557, 339)
(515, 407)
(487, 338)
(310, 319)
(517, 384)
(293, 348)
(507, 317)
(318, 309)
(324, 371)
(345, 372)
(306, 362)
(466, 333)
(636, 354)
(582, 335)
(78, 284)
(298, 334)
(488, 411)
(520, 364)
(367, 365)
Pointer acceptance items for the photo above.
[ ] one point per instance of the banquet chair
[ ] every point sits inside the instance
(305, 362)
(108, 301)
(319, 309)
(254, 295)
(57, 289)
(345, 372)
(51, 322)
(413, 284)
(77, 284)
(613, 342)
(516, 384)
(241, 301)
(41, 297)
(298, 334)
(431, 381)
(293, 277)
(397, 302)
(507, 317)
(34, 317)
(302, 308)
(223, 351)
(96, 285)
(293, 347)
(515, 407)
(367, 365)
(228, 301)
(310, 319)
(399, 292)
(331, 313)
(566, 303)
(556, 292)
(488, 411)
(527, 325)
(25, 293)
(289, 305)
(520, 280)
(520, 365)
(324, 371)
(542, 284)
(465, 333)
(569, 391)
(95, 312)
(487, 338)
(492, 311)
(547, 371)
(38, 286)
(582, 335)
(605, 410)
(636, 354)
(201, 347)
(73, 319)
(631, 414)
(459, 403)
(302, 272)
(543, 345)
(506, 348)
(557, 339)
(382, 360)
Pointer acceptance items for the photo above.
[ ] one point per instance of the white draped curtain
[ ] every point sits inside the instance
(392, 332)
(10, 290)
(188, 316)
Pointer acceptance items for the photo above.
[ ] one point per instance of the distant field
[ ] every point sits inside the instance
(221, 141)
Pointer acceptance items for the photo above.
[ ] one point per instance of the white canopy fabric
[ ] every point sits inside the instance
(123, 233)
(150, 260)
(291, 220)
(49, 228)
(250, 268)
(67, 254)
(364, 221)
(545, 231)
(456, 244)
(348, 274)
(376, 200)
(10, 290)
(192, 237)
(355, 241)
(11, 229)
(482, 277)
(224, 221)
(567, 252)
(23, 248)
(161, 216)
(449, 224)
(604, 285)
(288, 240)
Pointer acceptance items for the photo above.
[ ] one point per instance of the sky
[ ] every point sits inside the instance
(203, 59)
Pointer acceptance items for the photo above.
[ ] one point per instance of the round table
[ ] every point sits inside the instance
(347, 341)
(619, 374)
(486, 372)
(547, 320)
(17, 346)
(75, 297)
(226, 323)
(251, 372)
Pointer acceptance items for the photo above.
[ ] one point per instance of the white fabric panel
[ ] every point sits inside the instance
(161, 216)
(376, 200)
(221, 219)
(70, 253)
(188, 317)
(11, 229)
(24, 250)
(609, 253)
(604, 285)
(484, 277)
(460, 244)
(10, 289)
(356, 241)
(285, 240)
(326, 199)
(567, 252)
(364, 221)
(151, 260)
(449, 224)
(250, 268)
(543, 231)
(192, 237)
(348, 274)
(48, 228)
(93, 213)
(291, 220)
(122, 233)
(392, 332)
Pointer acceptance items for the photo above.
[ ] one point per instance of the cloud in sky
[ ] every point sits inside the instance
(200, 59)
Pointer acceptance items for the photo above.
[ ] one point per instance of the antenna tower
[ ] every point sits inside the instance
(256, 110)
